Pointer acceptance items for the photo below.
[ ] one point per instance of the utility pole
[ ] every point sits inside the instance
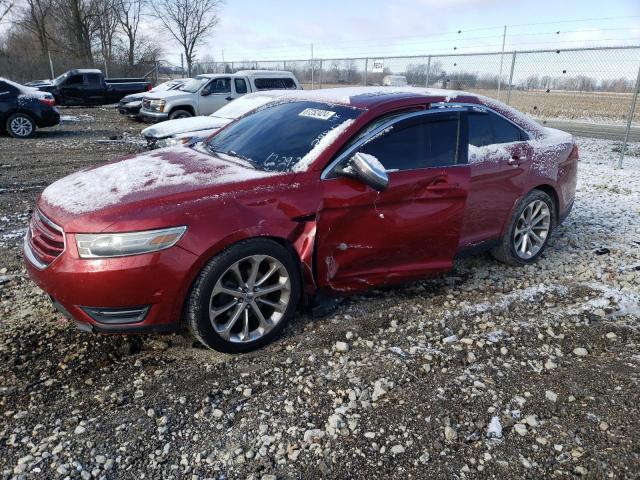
(504, 37)
(53, 75)
(312, 67)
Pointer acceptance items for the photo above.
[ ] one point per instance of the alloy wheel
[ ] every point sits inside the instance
(21, 126)
(249, 298)
(532, 229)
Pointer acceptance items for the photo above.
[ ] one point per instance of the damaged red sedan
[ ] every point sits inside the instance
(315, 193)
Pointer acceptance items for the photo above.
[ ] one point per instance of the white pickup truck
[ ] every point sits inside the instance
(204, 94)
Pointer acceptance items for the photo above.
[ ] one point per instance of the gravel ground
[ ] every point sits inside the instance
(487, 372)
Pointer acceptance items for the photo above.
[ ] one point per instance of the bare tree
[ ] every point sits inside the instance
(35, 17)
(129, 13)
(188, 21)
(106, 25)
(78, 20)
(5, 8)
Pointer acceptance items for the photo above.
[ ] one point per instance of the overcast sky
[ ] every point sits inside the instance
(275, 29)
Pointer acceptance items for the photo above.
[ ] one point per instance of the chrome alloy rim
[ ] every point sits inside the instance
(532, 229)
(249, 298)
(21, 126)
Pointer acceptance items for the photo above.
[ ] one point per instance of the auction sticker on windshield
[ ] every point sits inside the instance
(317, 113)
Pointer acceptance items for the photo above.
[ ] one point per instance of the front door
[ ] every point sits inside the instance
(72, 90)
(215, 95)
(412, 228)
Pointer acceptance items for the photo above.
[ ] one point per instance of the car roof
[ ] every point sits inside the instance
(265, 73)
(369, 97)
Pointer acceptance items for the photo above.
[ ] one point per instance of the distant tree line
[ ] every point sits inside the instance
(124, 37)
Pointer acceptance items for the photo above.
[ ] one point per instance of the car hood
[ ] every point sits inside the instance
(183, 125)
(168, 94)
(133, 97)
(146, 186)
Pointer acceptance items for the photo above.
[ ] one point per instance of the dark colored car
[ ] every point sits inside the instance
(86, 87)
(131, 104)
(23, 109)
(323, 192)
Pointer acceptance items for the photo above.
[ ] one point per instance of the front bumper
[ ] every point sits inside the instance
(129, 111)
(153, 117)
(94, 292)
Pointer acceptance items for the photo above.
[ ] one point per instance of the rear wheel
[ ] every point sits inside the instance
(244, 297)
(528, 231)
(20, 125)
(180, 114)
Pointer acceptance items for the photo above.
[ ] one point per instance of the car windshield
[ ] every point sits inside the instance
(60, 79)
(283, 136)
(193, 85)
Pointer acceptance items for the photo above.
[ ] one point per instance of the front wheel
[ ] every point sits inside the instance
(20, 125)
(244, 297)
(179, 114)
(529, 229)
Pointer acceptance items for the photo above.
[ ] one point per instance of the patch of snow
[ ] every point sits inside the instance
(321, 144)
(93, 189)
(373, 161)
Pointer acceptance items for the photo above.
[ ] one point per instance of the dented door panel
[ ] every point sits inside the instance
(412, 229)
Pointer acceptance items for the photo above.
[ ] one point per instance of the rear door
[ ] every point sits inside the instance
(500, 159)
(412, 228)
(217, 93)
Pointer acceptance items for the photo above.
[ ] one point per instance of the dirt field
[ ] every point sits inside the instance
(487, 372)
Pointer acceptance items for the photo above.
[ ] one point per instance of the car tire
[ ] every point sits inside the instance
(20, 125)
(179, 114)
(253, 278)
(528, 231)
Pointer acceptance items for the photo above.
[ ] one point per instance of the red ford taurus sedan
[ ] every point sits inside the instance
(324, 192)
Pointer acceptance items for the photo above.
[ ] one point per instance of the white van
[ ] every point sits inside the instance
(204, 94)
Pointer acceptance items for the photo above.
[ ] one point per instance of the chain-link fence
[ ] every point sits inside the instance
(590, 86)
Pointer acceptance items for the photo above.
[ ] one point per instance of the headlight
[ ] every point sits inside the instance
(157, 105)
(104, 245)
(177, 141)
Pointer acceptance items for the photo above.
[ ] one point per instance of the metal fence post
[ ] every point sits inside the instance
(320, 74)
(513, 64)
(632, 111)
(366, 68)
(426, 83)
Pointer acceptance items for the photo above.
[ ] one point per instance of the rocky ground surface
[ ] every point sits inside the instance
(488, 372)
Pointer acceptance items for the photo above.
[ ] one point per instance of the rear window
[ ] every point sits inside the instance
(487, 128)
(283, 136)
(275, 84)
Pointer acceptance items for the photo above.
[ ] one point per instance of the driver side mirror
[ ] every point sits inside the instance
(205, 92)
(368, 170)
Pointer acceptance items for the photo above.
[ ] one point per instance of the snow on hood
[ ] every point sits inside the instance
(156, 174)
(183, 125)
(167, 93)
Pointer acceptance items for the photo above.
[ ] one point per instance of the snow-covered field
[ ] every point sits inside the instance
(490, 371)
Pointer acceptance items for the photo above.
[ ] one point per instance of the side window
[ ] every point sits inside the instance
(93, 79)
(220, 85)
(288, 83)
(480, 129)
(504, 131)
(274, 83)
(241, 85)
(417, 143)
(73, 80)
